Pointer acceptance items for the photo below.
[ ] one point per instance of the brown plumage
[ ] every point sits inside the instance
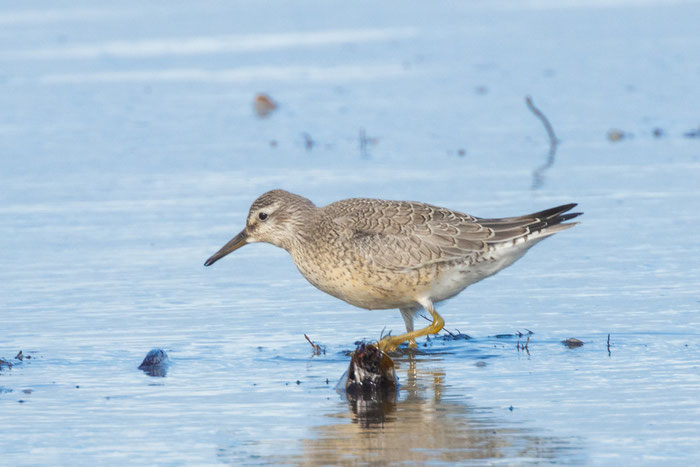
(380, 254)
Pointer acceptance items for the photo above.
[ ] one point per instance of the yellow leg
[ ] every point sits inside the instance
(390, 343)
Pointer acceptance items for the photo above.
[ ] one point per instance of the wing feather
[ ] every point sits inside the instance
(402, 235)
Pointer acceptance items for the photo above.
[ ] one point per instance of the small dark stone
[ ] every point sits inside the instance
(657, 132)
(480, 364)
(692, 133)
(615, 135)
(461, 152)
(572, 343)
(510, 408)
(19, 356)
(298, 382)
(156, 363)
(77, 386)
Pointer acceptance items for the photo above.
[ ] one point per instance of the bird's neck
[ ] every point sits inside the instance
(301, 227)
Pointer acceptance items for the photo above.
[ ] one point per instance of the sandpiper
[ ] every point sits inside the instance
(380, 254)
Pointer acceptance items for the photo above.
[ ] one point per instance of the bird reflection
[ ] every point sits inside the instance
(420, 426)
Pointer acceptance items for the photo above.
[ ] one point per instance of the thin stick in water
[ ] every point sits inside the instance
(538, 174)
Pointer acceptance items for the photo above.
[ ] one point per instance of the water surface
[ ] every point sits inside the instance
(131, 153)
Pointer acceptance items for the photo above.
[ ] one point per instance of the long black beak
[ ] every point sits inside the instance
(235, 243)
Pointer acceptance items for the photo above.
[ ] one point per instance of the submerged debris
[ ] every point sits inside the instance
(692, 133)
(616, 135)
(538, 173)
(309, 143)
(451, 336)
(8, 364)
(504, 336)
(318, 349)
(370, 374)
(263, 105)
(366, 141)
(370, 385)
(156, 363)
(572, 342)
(525, 347)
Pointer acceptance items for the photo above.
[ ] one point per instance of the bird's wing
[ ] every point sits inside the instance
(399, 235)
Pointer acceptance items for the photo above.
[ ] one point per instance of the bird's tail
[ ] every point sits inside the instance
(530, 227)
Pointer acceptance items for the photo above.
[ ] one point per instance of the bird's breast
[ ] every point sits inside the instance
(353, 279)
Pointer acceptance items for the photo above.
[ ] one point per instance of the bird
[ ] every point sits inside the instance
(380, 254)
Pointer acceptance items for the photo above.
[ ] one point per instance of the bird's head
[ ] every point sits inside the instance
(275, 217)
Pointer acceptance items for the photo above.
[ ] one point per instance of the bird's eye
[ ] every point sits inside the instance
(262, 216)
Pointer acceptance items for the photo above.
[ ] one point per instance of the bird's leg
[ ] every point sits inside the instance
(407, 314)
(390, 343)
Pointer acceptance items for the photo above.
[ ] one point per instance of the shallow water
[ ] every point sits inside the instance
(131, 153)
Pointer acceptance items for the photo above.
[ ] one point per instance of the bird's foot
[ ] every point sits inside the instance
(388, 344)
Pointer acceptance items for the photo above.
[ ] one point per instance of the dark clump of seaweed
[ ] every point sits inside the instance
(572, 342)
(155, 363)
(371, 373)
(370, 385)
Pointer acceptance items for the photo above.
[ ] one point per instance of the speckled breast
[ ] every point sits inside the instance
(351, 277)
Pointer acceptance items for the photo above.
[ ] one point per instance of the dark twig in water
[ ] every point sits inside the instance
(538, 174)
(363, 143)
(308, 141)
(318, 349)
(524, 347)
(553, 140)
(609, 344)
(382, 335)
